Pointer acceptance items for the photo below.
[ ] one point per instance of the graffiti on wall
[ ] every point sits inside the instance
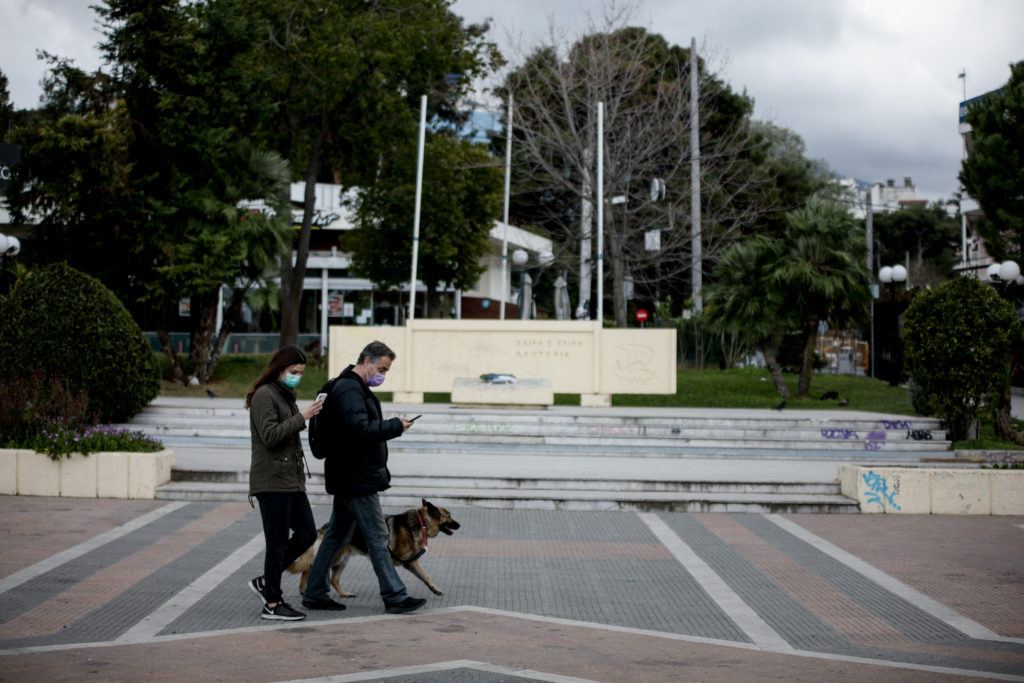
(879, 490)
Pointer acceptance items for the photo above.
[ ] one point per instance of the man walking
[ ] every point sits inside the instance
(355, 475)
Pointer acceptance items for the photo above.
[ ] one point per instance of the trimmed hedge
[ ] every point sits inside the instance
(67, 323)
(958, 344)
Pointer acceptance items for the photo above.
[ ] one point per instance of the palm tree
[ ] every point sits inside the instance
(821, 267)
(745, 301)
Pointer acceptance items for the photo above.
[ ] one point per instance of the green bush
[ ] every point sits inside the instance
(32, 401)
(957, 341)
(64, 322)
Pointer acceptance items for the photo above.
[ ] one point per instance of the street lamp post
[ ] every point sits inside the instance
(1005, 272)
(893, 276)
(519, 259)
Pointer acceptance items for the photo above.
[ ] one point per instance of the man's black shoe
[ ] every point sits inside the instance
(407, 605)
(322, 603)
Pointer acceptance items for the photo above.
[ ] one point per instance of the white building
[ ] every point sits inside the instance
(342, 299)
(884, 197)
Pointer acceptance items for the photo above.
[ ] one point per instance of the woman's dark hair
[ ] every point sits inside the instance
(282, 358)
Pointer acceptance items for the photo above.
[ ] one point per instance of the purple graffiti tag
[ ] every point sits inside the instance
(876, 436)
(845, 434)
(895, 424)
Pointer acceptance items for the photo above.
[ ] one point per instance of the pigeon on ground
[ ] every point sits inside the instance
(830, 395)
(844, 402)
(780, 406)
(211, 394)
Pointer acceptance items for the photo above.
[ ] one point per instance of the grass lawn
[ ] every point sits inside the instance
(740, 388)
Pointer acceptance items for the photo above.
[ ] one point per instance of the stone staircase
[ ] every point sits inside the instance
(575, 458)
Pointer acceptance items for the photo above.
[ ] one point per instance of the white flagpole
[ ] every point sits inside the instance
(416, 218)
(508, 175)
(600, 214)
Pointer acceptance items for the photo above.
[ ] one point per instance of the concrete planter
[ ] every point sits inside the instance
(99, 475)
(934, 490)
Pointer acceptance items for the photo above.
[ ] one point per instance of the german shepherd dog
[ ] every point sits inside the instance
(408, 534)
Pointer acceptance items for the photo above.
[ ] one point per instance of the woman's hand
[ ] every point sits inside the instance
(312, 409)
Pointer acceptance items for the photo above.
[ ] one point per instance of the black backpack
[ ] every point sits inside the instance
(321, 441)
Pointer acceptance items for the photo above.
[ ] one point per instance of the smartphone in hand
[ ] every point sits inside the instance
(321, 396)
(413, 419)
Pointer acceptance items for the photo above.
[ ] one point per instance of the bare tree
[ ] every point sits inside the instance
(643, 83)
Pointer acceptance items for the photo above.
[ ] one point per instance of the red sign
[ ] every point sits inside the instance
(641, 315)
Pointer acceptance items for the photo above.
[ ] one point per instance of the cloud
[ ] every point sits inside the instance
(870, 85)
(66, 28)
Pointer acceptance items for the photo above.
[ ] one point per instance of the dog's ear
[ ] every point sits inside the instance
(431, 508)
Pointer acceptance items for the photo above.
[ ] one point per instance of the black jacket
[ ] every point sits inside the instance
(359, 465)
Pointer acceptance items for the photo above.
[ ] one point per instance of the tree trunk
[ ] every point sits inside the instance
(618, 279)
(771, 360)
(1001, 420)
(807, 362)
(204, 311)
(231, 318)
(429, 298)
(172, 355)
(293, 277)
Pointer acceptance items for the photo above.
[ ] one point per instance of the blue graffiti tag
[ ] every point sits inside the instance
(878, 490)
(895, 424)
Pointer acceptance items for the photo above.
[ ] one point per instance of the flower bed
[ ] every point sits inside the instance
(106, 474)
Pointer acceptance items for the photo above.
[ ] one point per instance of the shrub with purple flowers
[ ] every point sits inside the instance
(59, 439)
(37, 411)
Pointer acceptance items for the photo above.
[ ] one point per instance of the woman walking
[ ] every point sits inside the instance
(277, 476)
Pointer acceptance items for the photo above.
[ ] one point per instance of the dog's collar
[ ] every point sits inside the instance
(423, 531)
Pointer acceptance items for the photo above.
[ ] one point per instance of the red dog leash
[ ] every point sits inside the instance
(423, 532)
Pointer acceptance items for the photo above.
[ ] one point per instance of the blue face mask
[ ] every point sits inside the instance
(291, 381)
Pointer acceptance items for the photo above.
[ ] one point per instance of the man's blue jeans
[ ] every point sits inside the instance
(346, 513)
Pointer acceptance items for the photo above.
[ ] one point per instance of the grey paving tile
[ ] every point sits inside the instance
(905, 617)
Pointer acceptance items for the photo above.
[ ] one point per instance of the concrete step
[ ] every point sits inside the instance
(552, 499)
(711, 439)
(576, 458)
(636, 431)
(568, 483)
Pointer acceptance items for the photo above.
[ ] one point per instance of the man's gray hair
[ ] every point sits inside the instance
(375, 350)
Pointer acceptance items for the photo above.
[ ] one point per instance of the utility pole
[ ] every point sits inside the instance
(696, 279)
(504, 237)
(586, 224)
(869, 228)
(869, 236)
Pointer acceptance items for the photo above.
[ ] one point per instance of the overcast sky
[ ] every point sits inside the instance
(870, 85)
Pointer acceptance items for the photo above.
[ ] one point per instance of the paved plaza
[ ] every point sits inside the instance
(97, 589)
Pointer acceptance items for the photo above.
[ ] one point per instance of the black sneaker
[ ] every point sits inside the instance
(322, 603)
(282, 611)
(407, 605)
(256, 586)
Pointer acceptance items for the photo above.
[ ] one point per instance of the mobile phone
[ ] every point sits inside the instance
(413, 419)
(321, 396)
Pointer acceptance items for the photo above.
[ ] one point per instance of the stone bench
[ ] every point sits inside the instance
(523, 392)
(934, 490)
(98, 475)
